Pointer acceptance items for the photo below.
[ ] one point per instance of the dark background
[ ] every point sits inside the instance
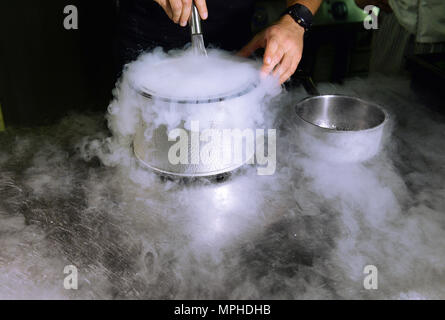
(45, 69)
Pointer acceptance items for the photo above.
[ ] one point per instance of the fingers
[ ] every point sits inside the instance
(168, 10)
(176, 6)
(286, 68)
(257, 42)
(201, 5)
(165, 4)
(284, 77)
(186, 11)
(271, 50)
(284, 65)
(273, 55)
(180, 10)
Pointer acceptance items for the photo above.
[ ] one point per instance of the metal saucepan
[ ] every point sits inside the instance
(339, 128)
(152, 146)
(153, 153)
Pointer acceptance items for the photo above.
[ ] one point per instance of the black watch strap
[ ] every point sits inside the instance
(301, 14)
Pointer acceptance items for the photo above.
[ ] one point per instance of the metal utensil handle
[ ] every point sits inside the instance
(195, 21)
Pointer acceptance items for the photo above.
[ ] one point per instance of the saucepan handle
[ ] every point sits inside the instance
(307, 82)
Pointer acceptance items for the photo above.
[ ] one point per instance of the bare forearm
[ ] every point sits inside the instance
(312, 5)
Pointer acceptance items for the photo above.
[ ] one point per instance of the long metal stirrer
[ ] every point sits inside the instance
(196, 32)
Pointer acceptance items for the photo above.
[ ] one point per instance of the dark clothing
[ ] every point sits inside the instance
(143, 25)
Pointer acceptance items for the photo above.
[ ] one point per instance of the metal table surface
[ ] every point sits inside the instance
(306, 232)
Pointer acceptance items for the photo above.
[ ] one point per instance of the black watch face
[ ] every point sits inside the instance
(301, 15)
(294, 13)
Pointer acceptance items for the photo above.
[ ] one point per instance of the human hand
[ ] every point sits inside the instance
(179, 11)
(284, 46)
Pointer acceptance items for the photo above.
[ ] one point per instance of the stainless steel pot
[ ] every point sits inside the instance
(221, 111)
(340, 128)
(152, 146)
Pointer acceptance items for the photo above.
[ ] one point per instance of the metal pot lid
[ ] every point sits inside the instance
(193, 79)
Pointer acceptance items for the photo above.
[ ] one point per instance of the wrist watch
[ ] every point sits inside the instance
(301, 14)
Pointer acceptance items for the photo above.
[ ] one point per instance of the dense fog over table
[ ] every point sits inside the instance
(306, 232)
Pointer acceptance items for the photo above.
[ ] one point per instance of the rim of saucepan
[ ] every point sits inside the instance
(385, 113)
(146, 93)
